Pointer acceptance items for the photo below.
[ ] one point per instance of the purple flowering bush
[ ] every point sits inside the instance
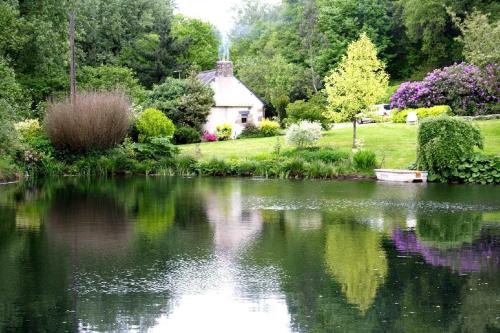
(467, 89)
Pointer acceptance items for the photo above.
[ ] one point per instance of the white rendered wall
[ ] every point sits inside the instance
(231, 98)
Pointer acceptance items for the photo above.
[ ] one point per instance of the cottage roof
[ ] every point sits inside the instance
(207, 77)
(229, 91)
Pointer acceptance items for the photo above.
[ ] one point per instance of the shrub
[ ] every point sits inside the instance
(325, 155)
(364, 160)
(442, 144)
(29, 129)
(467, 89)
(303, 134)
(97, 121)
(312, 110)
(153, 123)
(250, 131)
(269, 128)
(209, 137)
(224, 132)
(186, 102)
(184, 135)
(478, 169)
(422, 113)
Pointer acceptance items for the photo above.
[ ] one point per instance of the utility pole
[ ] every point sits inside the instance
(72, 66)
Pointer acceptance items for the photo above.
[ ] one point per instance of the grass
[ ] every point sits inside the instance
(394, 144)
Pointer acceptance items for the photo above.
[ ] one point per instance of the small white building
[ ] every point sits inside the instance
(235, 104)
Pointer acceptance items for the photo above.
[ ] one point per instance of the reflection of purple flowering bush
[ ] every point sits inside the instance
(481, 255)
(466, 88)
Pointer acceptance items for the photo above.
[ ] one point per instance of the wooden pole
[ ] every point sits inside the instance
(72, 66)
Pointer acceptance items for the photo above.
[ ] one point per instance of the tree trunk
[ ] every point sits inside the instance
(354, 133)
(72, 66)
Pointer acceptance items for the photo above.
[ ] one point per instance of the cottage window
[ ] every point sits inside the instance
(243, 119)
(244, 116)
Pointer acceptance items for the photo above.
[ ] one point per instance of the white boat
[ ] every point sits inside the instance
(409, 176)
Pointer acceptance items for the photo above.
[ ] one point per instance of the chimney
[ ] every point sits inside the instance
(224, 68)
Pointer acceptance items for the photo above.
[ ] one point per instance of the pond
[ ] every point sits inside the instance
(166, 254)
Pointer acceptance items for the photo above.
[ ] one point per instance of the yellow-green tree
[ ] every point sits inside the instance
(358, 82)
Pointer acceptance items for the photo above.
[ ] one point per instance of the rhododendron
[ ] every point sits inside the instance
(468, 89)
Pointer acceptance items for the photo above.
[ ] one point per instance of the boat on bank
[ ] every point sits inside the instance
(396, 175)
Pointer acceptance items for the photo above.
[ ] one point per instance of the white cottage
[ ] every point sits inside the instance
(235, 104)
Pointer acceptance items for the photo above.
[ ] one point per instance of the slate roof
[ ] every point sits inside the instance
(207, 77)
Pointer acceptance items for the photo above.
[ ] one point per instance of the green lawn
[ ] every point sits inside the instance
(394, 144)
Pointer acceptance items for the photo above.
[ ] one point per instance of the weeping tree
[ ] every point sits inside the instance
(358, 81)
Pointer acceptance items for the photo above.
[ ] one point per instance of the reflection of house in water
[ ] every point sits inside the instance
(234, 227)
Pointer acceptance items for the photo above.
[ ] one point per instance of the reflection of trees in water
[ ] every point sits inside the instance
(480, 308)
(88, 222)
(354, 256)
(448, 229)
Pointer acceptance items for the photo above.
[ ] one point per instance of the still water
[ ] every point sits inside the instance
(244, 255)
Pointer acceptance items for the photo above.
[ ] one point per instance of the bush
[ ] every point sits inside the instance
(442, 144)
(467, 89)
(364, 160)
(224, 132)
(269, 128)
(153, 123)
(186, 102)
(422, 113)
(97, 121)
(209, 137)
(109, 78)
(477, 169)
(312, 110)
(250, 131)
(325, 155)
(303, 134)
(184, 135)
(8, 136)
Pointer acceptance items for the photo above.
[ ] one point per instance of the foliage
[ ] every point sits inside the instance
(153, 123)
(312, 110)
(341, 22)
(134, 33)
(109, 78)
(184, 135)
(272, 78)
(250, 131)
(209, 137)
(468, 89)
(325, 155)
(224, 132)
(96, 121)
(477, 169)
(199, 42)
(8, 169)
(269, 128)
(434, 111)
(480, 39)
(8, 136)
(304, 134)
(11, 92)
(442, 144)
(364, 160)
(29, 129)
(185, 102)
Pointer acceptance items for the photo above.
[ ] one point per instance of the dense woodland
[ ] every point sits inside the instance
(282, 52)
(285, 52)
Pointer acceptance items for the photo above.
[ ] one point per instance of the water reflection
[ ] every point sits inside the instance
(225, 255)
